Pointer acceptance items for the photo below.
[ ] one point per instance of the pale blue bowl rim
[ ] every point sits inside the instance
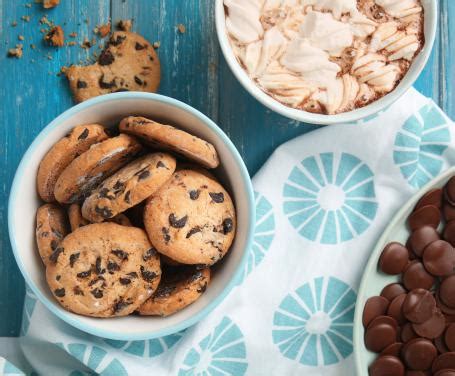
(246, 182)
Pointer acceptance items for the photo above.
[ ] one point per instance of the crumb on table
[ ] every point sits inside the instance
(16, 52)
(181, 28)
(25, 18)
(156, 45)
(103, 30)
(50, 3)
(20, 37)
(55, 37)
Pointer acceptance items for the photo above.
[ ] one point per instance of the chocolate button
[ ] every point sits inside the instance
(449, 232)
(444, 361)
(449, 190)
(374, 307)
(433, 327)
(378, 337)
(394, 349)
(418, 306)
(418, 354)
(421, 237)
(395, 309)
(448, 211)
(392, 290)
(415, 276)
(445, 372)
(407, 332)
(439, 258)
(384, 320)
(432, 197)
(449, 337)
(417, 373)
(428, 215)
(386, 365)
(393, 258)
(443, 307)
(447, 291)
(440, 344)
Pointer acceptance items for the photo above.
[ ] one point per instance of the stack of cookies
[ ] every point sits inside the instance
(132, 222)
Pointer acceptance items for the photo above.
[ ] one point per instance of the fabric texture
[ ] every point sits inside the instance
(322, 201)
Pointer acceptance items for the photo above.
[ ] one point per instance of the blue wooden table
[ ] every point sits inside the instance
(193, 70)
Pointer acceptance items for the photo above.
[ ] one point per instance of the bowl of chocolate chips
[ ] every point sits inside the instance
(405, 314)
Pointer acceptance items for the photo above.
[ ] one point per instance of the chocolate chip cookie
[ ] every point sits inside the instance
(169, 138)
(104, 270)
(51, 228)
(179, 287)
(62, 154)
(85, 172)
(128, 63)
(129, 186)
(191, 219)
(77, 220)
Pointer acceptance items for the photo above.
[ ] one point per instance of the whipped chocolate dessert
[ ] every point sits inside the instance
(325, 56)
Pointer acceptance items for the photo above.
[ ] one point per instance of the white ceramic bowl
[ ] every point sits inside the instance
(431, 12)
(108, 110)
(373, 281)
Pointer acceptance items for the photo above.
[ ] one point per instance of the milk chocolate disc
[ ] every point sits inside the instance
(384, 320)
(439, 258)
(419, 354)
(378, 337)
(415, 276)
(432, 197)
(418, 306)
(444, 361)
(407, 333)
(428, 215)
(386, 365)
(374, 307)
(395, 309)
(440, 344)
(394, 258)
(392, 290)
(445, 372)
(421, 237)
(443, 307)
(447, 291)
(448, 211)
(394, 349)
(449, 337)
(433, 327)
(449, 232)
(449, 190)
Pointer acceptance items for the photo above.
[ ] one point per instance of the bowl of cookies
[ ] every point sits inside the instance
(326, 62)
(131, 216)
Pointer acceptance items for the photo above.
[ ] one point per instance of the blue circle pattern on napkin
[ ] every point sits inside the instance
(222, 352)
(330, 198)
(264, 233)
(313, 325)
(95, 358)
(29, 306)
(420, 144)
(149, 348)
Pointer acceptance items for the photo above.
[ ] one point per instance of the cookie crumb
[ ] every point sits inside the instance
(181, 28)
(103, 30)
(28, 5)
(73, 34)
(45, 21)
(49, 57)
(125, 25)
(14, 24)
(25, 18)
(86, 44)
(16, 52)
(32, 46)
(50, 3)
(21, 37)
(55, 37)
(156, 45)
(71, 43)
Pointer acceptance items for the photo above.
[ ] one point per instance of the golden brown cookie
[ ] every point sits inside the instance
(104, 270)
(62, 154)
(191, 219)
(85, 172)
(128, 63)
(129, 186)
(169, 138)
(51, 228)
(178, 288)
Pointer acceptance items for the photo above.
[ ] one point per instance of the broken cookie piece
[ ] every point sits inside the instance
(16, 52)
(128, 63)
(50, 3)
(125, 25)
(55, 37)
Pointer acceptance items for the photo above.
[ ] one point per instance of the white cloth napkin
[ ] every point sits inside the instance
(322, 201)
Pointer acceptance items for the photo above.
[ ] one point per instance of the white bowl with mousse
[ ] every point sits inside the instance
(326, 61)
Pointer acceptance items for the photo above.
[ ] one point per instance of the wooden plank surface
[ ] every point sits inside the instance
(194, 71)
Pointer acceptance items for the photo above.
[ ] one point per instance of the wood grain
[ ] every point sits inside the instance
(194, 71)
